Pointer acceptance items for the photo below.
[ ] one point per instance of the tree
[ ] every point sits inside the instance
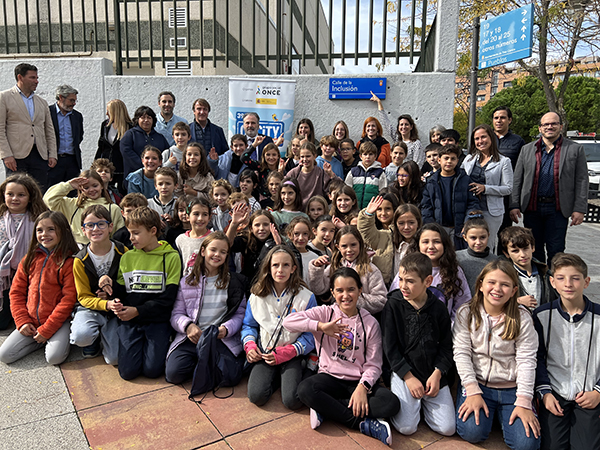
(561, 29)
(527, 101)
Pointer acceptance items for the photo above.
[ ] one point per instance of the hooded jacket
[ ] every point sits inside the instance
(46, 297)
(414, 340)
(86, 277)
(189, 304)
(56, 199)
(374, 293)
(356, 355)
(367, 183)
(483, 357)
(149, 281)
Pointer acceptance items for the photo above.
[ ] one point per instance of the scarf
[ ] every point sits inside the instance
(15, 248)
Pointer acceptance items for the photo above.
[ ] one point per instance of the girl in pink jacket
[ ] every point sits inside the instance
(495, 347)
(348, 341)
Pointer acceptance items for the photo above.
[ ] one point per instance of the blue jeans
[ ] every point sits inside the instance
(499, 401)
(143, 349)
(549, 228)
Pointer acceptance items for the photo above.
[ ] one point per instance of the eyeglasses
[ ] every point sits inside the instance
(102, 225)
(549, 124)
(403, 175)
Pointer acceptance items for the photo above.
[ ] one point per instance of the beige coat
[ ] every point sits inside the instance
(18, 132)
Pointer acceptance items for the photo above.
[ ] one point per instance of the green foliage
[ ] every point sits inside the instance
(461, 124)
(527, 102)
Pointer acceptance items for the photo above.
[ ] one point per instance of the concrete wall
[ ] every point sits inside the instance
(428, 97)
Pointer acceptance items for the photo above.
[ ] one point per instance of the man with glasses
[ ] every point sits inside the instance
(550, 185)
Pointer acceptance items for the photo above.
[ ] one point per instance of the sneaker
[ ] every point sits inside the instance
(91, 351)
(315, 419)
(378, 429)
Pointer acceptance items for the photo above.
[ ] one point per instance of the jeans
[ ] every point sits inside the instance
(329, 396)
(88, 324)
(263, 382)
(143, 349)
(549, 228)
(499, 401)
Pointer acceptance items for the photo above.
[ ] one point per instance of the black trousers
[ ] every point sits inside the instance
(66, 169)
(577, 429)
(329, 396)
(35, 166)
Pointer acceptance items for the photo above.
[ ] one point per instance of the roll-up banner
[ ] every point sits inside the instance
(272, 100)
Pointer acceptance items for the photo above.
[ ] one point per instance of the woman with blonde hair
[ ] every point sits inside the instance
(111, 132)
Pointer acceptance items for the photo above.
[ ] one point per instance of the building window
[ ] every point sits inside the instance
(494, 78)
(481, 98)
(181, 42)
(507, 84)
(460, 85)
(494, 90)
(178, 15)
(481, 87)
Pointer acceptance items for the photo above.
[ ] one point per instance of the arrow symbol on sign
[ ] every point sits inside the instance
(523, 28)
(523, 12)
(524, 20)
(523, 37)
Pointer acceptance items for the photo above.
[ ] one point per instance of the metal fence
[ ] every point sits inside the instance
(258, 36)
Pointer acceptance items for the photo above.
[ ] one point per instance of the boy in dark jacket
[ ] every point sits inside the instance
(534, 277)
(417, 341)
(147, 286)
(447, 198)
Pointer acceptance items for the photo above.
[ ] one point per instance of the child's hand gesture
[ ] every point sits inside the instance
(473, 404)
(527, 300)
(258, 140)
(275, 234)
(327, 170)
(173, 159)
(114, 305)
(189, 190)
(552, 405)
(374, 204)
(588, 400)
(339, 223)
(414, 385)
(78, 183)
(193, 333)
(333, 328)
(282, 164)
(528, 419)
(253, 353)
(358, 402)
(213, 154)
(105, 284)
(269, 358)
(321, 261)
(432, 386)
(28, 330)
(239, 214)
(279, 141)
(127, 313)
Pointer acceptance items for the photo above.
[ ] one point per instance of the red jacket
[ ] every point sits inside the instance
(47, 297)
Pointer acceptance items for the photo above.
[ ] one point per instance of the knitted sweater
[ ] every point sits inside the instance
(472, 263)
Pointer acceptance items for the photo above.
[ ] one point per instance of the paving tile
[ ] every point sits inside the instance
(293, 431)
(221, 445)
(59, 432)
(163, 419)
(35, 360)
(92, 382)
(236, 413)
(32, 395)
(421, 439)
(494, 442)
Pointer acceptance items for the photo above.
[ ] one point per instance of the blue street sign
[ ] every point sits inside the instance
(506, 38)
(352, 88)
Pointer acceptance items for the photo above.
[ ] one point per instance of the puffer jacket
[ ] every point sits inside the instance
(189, 303)
(374, 292)
(46, 297)
(367, 183)
(483, 357)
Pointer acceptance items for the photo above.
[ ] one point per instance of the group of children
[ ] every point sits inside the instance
(289, 271)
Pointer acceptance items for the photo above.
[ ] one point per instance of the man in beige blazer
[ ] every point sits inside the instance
(27, 139)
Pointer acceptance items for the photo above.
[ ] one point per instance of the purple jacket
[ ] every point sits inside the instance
(189, 303)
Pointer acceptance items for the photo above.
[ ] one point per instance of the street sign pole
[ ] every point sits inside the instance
(474, 82)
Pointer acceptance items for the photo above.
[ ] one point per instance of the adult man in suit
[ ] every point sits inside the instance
(251, 123)
(27, 140)
(550, 185)
(204, 131)
(68, 128)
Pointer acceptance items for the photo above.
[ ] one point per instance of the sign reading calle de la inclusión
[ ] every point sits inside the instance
(506, 38)
(353, 88)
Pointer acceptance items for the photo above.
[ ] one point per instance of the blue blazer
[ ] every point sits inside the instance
(76, 128)
(217, 136)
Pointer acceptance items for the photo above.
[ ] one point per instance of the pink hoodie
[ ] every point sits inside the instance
(343, 358)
